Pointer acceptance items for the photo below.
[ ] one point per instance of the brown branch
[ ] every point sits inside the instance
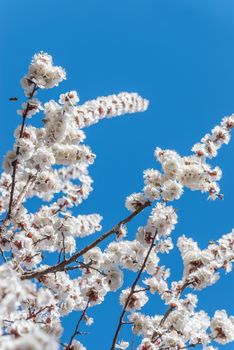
(24, 191)
(86, 266)
(61, 266)
(171, 307)
(3, 256)
(133, 341)
(18, 202)
(167, 313)
(76, 331)
(42, 239)
(35, 314)
(141, 290)
(132, 290)
(15, 162)
(169, 310)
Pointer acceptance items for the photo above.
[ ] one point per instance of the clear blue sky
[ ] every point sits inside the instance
(180, 55)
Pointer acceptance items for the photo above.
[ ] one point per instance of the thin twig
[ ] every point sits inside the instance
(41, 239)
(17, 203)
(64, 247)
(15, 163)
(34, 314)
(24, 191)
(61, 266)
(171, 307)
(133, 341)
(169, 310)
(86, 266)
(132, 292)
(76, 331)
(141, 290)
(3, 256)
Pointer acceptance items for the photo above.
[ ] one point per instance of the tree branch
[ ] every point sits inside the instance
(15, 162)
(3, 256)
(76, 331)
(86, 266)
(18, 202)
(61, 266)
(132, 292)
(171, 307)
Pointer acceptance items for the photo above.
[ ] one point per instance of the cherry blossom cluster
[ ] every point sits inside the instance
(182, 326)
(192, 171)
(51, 163)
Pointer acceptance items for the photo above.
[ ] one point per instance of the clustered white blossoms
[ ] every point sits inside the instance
(51, 162)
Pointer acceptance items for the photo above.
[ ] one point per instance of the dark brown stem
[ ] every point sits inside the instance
(167, 313)
(15, 163)
(132, 290)
(86, 266)
(34, 314)
(17, 202)
(76, 331)
(62, 265)
(155, 335)
(133, 341)
(171, 307)
(41, 240)
(3, 256)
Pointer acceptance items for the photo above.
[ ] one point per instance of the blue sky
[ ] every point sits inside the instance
(180, 55)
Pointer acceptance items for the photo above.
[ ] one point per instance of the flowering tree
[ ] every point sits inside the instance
(51, 163)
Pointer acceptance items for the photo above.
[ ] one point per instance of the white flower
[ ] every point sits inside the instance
(156, 285)
(43, 73)
(76, 345)
(70, 98)
(114, 278)
(122, 345)
(135, 201)
(171, 189)
(222, 327)
(111, 106)
(152, 177)
(32, 107)
(146, 344)
(162, 218)
(122, 232)
(137, 300)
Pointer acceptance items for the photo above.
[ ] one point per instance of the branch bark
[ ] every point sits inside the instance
(171, 307)
(76, 331)
(18, 202)
(15, 163)
(62, 265)
(131, 293)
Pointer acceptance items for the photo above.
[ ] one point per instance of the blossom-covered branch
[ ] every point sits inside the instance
(62, 266)
(130, 299)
